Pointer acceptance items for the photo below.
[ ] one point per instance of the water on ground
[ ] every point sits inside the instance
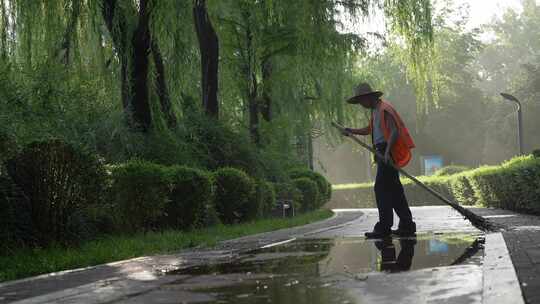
(345, 270)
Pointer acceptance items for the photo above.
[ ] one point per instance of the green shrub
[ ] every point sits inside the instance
(234, 193)
(217, 145)
(488, 183)
(328, 191)
(310, 193)
(536, 153)
(514, 185)
(266, 198)
(462, 189)
(101, 219)
(450, 170)
(15, 222)
(140, 193)
(60, 182)
(325, 188)
(288, 192)
(190, 198)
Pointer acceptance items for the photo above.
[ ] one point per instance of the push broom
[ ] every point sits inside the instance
(476, 220)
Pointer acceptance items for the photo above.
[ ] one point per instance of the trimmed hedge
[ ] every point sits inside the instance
(265, 197)
(288, 192)
(310, 193)
(462, 189)
(140, 193)
(60, 183)
(190, 199)
(513, 185)
(15, 221)
(234, 193)
(52, 193)
(325, 188)
(450, 170)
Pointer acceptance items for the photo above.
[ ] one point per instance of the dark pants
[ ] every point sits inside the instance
(390, 196)
(388, 254)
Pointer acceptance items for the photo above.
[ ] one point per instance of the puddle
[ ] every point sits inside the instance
(320, 270)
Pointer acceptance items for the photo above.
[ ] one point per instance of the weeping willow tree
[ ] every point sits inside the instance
(284, 67)
(290, 66)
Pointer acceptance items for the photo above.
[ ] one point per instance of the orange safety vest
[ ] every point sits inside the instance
(401, 151)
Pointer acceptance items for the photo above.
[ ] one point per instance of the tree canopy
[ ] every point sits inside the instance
(111, 73)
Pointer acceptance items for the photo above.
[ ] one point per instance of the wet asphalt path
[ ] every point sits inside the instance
(326, 262)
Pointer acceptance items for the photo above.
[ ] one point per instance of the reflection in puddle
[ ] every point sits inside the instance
(316, 270)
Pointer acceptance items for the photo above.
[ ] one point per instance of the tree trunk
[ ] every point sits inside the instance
(134, 61)
(142, 115)
(70, 29)
(253, 105)
(209, 50)
(310, 150)
(266, 108)
(161, 86)
(119, 35)
(251, 83)
(4, 25)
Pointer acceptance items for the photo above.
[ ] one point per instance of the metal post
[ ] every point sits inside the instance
(520, 129)
(520, 120)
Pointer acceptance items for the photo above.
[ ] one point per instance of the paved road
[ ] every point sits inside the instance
(136, 277)
(431, 280)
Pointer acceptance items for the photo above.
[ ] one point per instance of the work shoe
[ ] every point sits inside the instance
(405, 230)
(378, 232)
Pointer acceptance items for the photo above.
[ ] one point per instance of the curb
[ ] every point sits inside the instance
(500, 282)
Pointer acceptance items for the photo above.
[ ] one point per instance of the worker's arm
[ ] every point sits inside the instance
(394, 134)
(362, 131)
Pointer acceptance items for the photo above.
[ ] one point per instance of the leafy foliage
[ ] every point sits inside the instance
(310, 193)
(265, 197)
(511, 185)
(234, 193)
(325, 189)
(15, 221)
(449, 170)
(140, 193)
(191, 198)
(288, 192)
(60, 182)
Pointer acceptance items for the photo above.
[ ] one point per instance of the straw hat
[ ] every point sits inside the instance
(363, 89)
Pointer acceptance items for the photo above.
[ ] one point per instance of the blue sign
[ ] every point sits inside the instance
(431, 164)
(436, 246)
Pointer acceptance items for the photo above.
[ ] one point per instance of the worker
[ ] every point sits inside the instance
(392, 140)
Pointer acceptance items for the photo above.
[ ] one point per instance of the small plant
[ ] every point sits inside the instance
(191, 197)
(140, 193)
(536, 153)
(234, 193)
(310, 193)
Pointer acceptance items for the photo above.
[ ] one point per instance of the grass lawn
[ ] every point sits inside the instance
(350, 186)
(29, 262)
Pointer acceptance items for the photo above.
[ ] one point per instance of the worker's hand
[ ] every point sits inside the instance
(346, 131)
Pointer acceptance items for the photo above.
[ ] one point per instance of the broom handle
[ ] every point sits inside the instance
(380, 156)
